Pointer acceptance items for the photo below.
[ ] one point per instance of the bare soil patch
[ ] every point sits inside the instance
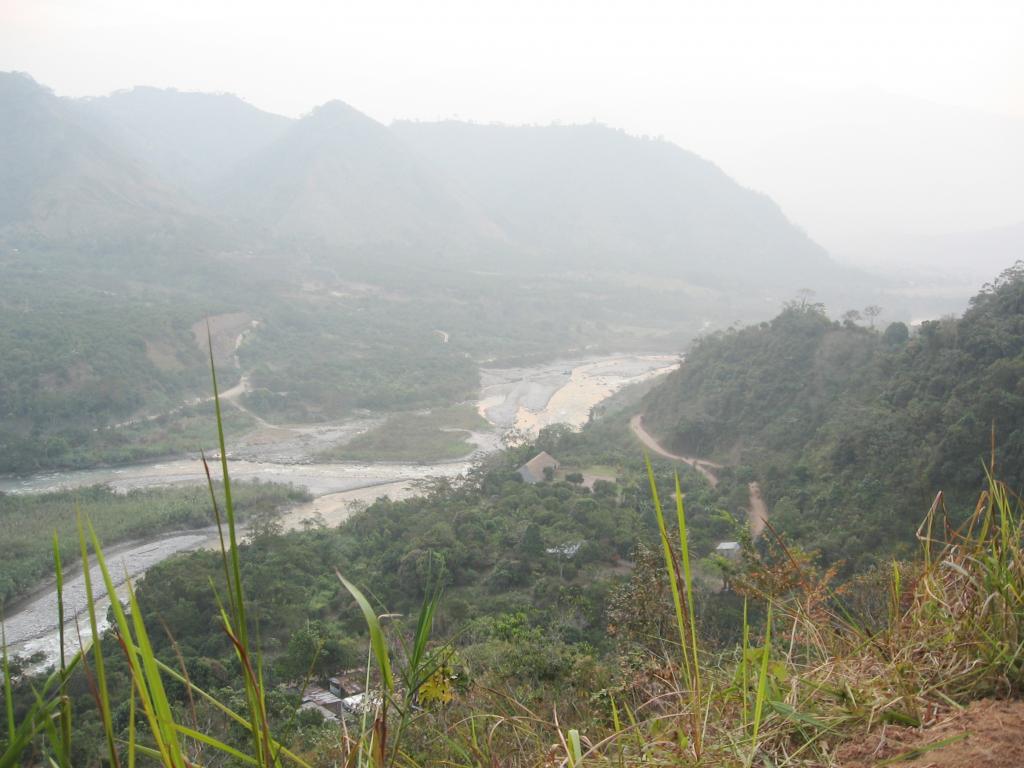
(163, 355)
(987, 733)
(224, 330)
(757, 510)
(703, 466)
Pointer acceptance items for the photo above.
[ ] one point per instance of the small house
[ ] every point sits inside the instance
(361, 703)
(568, 551)
(533, 471)
(730, 550)
(347, 683)
(321, 699)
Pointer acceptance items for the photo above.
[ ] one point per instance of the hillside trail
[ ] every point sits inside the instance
(757, 510)
(232, 396)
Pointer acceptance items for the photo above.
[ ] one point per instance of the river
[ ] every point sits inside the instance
(525, 398)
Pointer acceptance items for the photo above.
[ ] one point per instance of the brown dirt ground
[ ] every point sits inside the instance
(224, 330)
(987, 733)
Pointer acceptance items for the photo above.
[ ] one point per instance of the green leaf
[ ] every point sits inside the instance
(377, 642)
(575, 751)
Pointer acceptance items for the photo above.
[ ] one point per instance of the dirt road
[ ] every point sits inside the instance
(706, 468)
(757, 510)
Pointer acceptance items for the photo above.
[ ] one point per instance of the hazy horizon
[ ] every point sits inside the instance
(875, 127)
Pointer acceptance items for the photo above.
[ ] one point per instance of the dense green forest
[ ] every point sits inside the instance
(530, 623)
(486, 540)
(97, 364)
(527, 571)
(556, 597)
(852, 429)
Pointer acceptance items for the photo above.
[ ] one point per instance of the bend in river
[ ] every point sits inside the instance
(526, 398)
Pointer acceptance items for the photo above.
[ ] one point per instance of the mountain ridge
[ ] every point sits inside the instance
(189, 138)
(567, 198)
(66, 182)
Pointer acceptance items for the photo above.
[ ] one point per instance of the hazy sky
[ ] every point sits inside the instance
(768, 89)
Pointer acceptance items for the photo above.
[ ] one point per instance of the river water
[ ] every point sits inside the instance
(525, 398)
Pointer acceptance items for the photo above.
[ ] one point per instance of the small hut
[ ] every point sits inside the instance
(533, 471)
(730, 550)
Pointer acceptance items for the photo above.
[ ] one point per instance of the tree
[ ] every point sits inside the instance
(803, 297)
(804, 303)
(871, 312)
(532, 545)
(897, 333)
(851, 317)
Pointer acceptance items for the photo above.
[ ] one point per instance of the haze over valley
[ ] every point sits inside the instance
(549, 384)
(331, 252)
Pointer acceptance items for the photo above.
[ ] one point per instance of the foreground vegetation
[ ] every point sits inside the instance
(812, 667)
(560, 624)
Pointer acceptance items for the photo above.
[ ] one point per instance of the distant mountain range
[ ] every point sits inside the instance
(189, 139)
(63, 179)
(212, 172)
(590, 195)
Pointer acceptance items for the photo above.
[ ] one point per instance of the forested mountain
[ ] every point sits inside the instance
(568, 198)
(126, 220)
(63, 181)
(850, 430)
(588, 196)
(189, 139)
(339, 177)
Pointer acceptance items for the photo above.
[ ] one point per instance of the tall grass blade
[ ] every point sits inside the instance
(64, 749)
(762, 685)
(229, 507)
(131, 730)
(377, 641)
(220, 530)
(695, 689)
(141, 662)
(102, 693)
(172, 673)
(217, 744)
(744, 671)
(8, 687)
(575, 752)
(419, 668)
(255, 693)
(673, 574)
(59, 571)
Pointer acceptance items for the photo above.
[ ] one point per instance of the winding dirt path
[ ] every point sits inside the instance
(757, 510)
(704, 467)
